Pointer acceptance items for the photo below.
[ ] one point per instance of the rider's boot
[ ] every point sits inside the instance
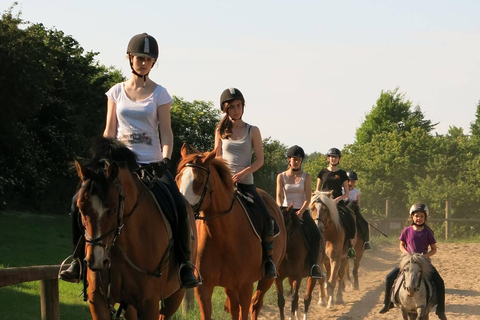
(187, 277)
(386, 306)
(267, 244)
(387, 303)
(73, 273)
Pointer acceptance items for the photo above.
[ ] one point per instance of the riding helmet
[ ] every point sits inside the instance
(419, 207)
(352, 175)
(295, 151)
(229, 95)
(334, 152)
(143, 45)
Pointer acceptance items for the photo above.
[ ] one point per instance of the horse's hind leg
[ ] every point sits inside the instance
(171, 304)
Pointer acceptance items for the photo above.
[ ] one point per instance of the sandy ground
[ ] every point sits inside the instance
(458, 264)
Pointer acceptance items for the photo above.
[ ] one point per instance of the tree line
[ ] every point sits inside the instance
(53, 105)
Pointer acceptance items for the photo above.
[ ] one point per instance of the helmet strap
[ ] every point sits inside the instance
(298, 169)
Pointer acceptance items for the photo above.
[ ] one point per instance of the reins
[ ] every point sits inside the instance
(196, 207)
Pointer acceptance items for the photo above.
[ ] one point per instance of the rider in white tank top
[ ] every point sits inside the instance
(294, 192)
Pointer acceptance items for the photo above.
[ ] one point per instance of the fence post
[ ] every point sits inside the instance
(49, 299)
(387, 215)
(447, 220)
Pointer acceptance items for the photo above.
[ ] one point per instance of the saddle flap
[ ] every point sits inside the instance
(255, 215)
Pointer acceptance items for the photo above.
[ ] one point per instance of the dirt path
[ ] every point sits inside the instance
(457, 263)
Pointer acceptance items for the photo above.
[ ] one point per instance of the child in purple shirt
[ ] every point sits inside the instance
(417, 238)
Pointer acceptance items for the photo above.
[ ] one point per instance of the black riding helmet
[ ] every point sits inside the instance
(334, 152)
(143, 45)
(419, 207)
(229, 95)
(295, 151)
(352, 175)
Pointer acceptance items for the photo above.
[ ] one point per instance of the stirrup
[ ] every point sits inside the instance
(188, 263)
(63, 263)
(367, 246)
(351, 253)
(320, 276)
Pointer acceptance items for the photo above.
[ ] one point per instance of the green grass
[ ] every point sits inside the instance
(32, 239)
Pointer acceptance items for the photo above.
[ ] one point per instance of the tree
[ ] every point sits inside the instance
(275, 161)
(392, 113)
(53, 103)
(475, 126)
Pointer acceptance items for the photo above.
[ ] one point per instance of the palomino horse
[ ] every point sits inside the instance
(324, 211)
(129, 241)
(413, 293)
(296, 265)
(229, 252)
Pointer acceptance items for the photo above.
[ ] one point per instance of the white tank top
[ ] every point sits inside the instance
(238, 154)
(293, 192)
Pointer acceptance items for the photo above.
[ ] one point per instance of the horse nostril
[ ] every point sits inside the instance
(106, 263)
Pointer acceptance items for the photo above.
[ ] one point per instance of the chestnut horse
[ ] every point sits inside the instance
(296, 265)
(129, 241)
(229, 252)
(324, 211)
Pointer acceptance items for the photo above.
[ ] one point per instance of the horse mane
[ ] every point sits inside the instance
(324, 197)
(423, 263)
(108, 150)
(218, 164)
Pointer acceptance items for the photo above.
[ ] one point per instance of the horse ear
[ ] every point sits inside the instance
(112, 171)
(81, 169)
(184, 150)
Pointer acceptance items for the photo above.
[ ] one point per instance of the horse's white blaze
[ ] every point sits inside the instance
(186, 187)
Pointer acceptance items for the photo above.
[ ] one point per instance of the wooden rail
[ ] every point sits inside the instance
(48, 277)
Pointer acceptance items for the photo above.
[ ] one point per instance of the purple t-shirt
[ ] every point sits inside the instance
(418, 241)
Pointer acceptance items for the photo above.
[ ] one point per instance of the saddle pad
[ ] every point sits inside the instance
(255, 216)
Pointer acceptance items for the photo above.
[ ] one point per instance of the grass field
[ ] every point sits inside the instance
(32, 239)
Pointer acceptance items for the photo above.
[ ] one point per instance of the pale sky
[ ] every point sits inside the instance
(309, 70)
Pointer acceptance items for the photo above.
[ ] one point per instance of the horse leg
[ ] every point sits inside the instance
(148, 310)
(171, 304)
(204, 298)
(341, 282)
(323, 285)
(335, 266)
(280, 297)
(131, 313)
(257, 300)
(296, 286)
(308, 296)
(97, 301)
(232, 303)
(356, 263)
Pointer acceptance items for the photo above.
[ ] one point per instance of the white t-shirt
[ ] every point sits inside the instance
(353, 194)
(137, 121)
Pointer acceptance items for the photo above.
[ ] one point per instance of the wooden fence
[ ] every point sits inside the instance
(48, 276)
(388, 223)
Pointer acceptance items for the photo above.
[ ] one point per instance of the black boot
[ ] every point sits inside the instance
(267, 245)
(187, 277)
(270, 270)
(72, 274)
(387, 306)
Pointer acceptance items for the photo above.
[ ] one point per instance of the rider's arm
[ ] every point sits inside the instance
(308, 195)
(111, 121)
(166, 133)
(433, 250)
(403, 247)
(319, 184)
(279, 190)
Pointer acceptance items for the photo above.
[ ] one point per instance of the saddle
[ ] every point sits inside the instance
(255, 215)
(398, 283)
(347, 226)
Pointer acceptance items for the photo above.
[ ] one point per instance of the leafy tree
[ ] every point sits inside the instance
(193, 123)
(475, 126)
(275, 161)
(392, 113)
(53, 103)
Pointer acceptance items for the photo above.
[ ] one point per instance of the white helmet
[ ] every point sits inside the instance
(419, 207)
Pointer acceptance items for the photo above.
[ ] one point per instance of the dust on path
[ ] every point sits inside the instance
(458, 264)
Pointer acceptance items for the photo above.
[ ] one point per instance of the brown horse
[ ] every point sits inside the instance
(324, 211)
(229, 251)
(296, 264)
(129, 241)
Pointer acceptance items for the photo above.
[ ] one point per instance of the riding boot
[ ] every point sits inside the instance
(184, 238)
(440, 288)
(267, 244)
(73, 273)
(387, 303)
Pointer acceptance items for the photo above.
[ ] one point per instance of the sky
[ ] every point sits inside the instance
(310, 71)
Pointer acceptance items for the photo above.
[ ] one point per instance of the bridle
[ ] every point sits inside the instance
(323, 221)
(417, 288)
(196, 207)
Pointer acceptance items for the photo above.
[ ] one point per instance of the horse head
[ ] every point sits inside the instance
(324, 208)
(416, 269)
(199, 174)
(101, 198)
